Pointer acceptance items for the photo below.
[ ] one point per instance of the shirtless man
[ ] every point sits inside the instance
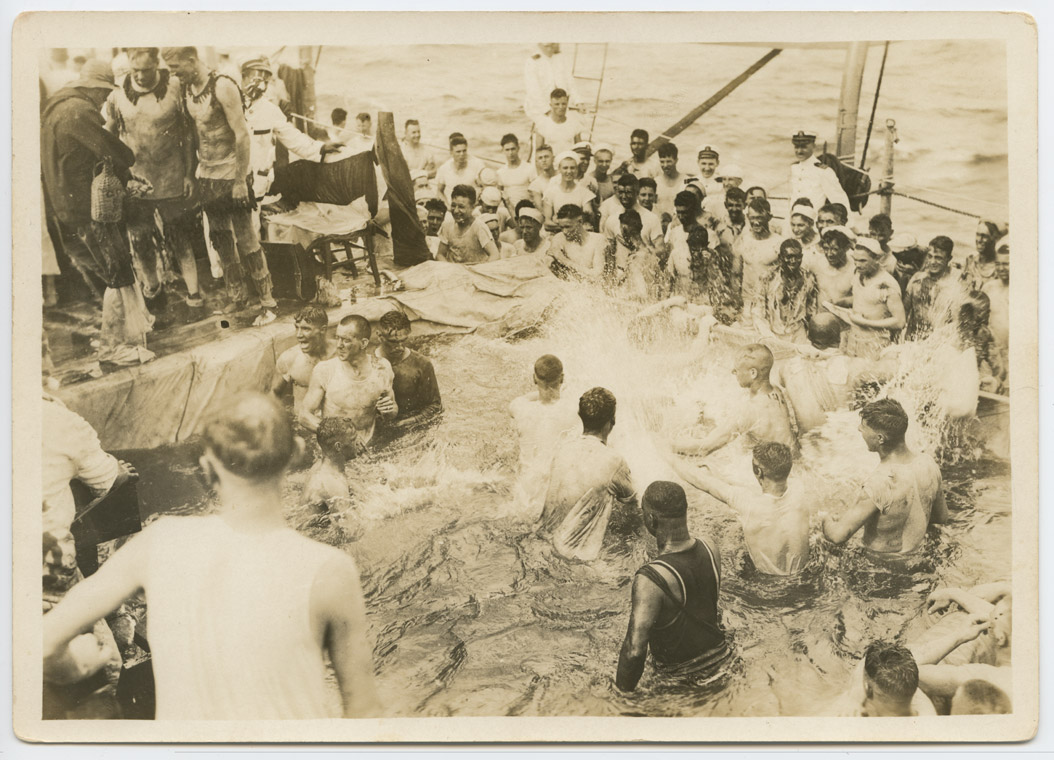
(601, 174)
(577, 253)
(992, 602)
(755, 252)
(834, 273)
(627, 198)
(776, 521)
(417, 156)
(934, 294)
(763, 416)
(530, 221)
(639, 164)
(885, 684)
(901, 498)
(354, 383)
(876, 304)
(415, 386)
(880, 229)
(567, 189)
(586, 480)
(541, 419)
(295, 365)
(998, 292)
(463, 238)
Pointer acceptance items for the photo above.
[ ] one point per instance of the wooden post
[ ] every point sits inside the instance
(849, 101)
(307, 66)
(886, 198)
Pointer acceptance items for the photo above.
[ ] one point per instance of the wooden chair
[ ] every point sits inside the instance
(359, 241)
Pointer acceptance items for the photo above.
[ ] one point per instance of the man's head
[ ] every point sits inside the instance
(731, 177)
(567, 166)
(804, 144)
(311, 323)
(251, 439)
(881, 228)
(938, 257)
(866, 257)
(695, 186)
(256, 73)
(510, 146)
(883, 424)
(978, 697)
(143, 63)
(1002, 260)
(530, 221)
(638, 144)
(825, 330)
(569, 217)
(596, 408)
(489, 199)
(494, 225)
(364, 124)
(832, 215)
(975, 311)
(338, 439)
(686, 206)
(436, 213)
(891, 678)
(757, 191)
(412, 132)
(664, 504)
(548, 372)
(558, 103)
(789, 258)
(393, 332)
(835, 243)
(462, 199)
(772, 462)
(753, 365)
(626, 190)
(602, 160)
(353, 336)
(630, 224)
(987, 233)
(668, 159)
(735, 203)
(183, 61)
(459, 150)
(801, 221)
(708, 159)
(758, 215)
(698, 239)
(543, 158)
(647, 192)
(338, 117)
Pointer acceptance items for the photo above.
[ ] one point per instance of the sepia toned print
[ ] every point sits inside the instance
(599, 394)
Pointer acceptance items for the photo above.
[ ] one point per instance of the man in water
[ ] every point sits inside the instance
(756, 252)
(244, 640)
(980, 268)
(354, 383)
(601, 174)
(577, 253)
(811, 178)
(901, 498)
(762, 416)
(885, 684)
(294, 366)
(876, 304)
(516, 176)
(415, 386)
(669, 181)
(459, 169)
(639, 164)
(435, 214)
(543, 167)
(880, 229)
(530, 225)
(586, 481)
(934, 294)
(493, 222)
(418, 156)
(567, 189)
(788, 297)
(464, 238)
(626, 198)
(558, 129)
(541, 419)
(632, 264)
(833, 272)
(998, 292)
(776, 521)
(214, 102)
(674, 609)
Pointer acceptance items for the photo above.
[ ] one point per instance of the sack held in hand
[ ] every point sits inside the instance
(107, 193)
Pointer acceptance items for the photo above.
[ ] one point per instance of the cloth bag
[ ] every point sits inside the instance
(107, 194)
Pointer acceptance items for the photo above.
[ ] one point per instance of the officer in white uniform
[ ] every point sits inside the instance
(810, 178)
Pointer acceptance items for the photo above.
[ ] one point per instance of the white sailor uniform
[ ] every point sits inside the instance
(816, 181)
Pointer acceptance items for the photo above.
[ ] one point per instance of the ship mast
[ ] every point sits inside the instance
(849, 102)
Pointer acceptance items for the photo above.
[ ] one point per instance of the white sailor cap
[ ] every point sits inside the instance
(1003, 242)
(844, 231)
(490, 196)
(802, 210)
(869, 244)
(567, 154)
(903, 241)
(488, 218)
(730, 172)
(532, 213)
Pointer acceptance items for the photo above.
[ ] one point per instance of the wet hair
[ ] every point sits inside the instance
(252, 436)
(411, 123)
(362, 117)
(596, 408)
(339, 116)
(179, 53)
(979, 697)
(360, 323)
(464, 191)
(757, 187)
(457, 139)
(840, 238)
(838, 210)
(803, 201)
(134, 52)
(394, 320)
(761, 205)
(548, 369)
(648, 182)
(773, 459)
(639, 133)
(434, 204)
(688, 199)
(943, 243)
(628, 180)
(525, 203)
(631, 218)
(569, 211)
(736, 194)
(314, 315)
(825, 330)
(892, 668)
(338, 438)
(698, 237)
(888, 417)
(666, 499)
(973, 304)
(790, 243)
(559, 92)
(667, 150)
(543, 149)
(881, 222)
(759, 356)
(509, 138)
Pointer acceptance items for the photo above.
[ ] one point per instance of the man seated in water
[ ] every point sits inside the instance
(327, 488)
(578, 254)
(674, 611)
(901, 498)
(762, 416)
(587, 482)
(998, 292)
(414, 385)
(244, 611)
(354, 383)
(876, 304)
(775, 521)
(993, 602)
(541, 418)
(463, 238)
(787, 298)
(294, 366)
(885, 684)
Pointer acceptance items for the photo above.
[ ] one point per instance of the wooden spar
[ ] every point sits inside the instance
(849, 102)
(885, 201)
(712, 101)
(307, 66)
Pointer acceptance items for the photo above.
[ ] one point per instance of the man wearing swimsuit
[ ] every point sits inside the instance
(674, 612)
